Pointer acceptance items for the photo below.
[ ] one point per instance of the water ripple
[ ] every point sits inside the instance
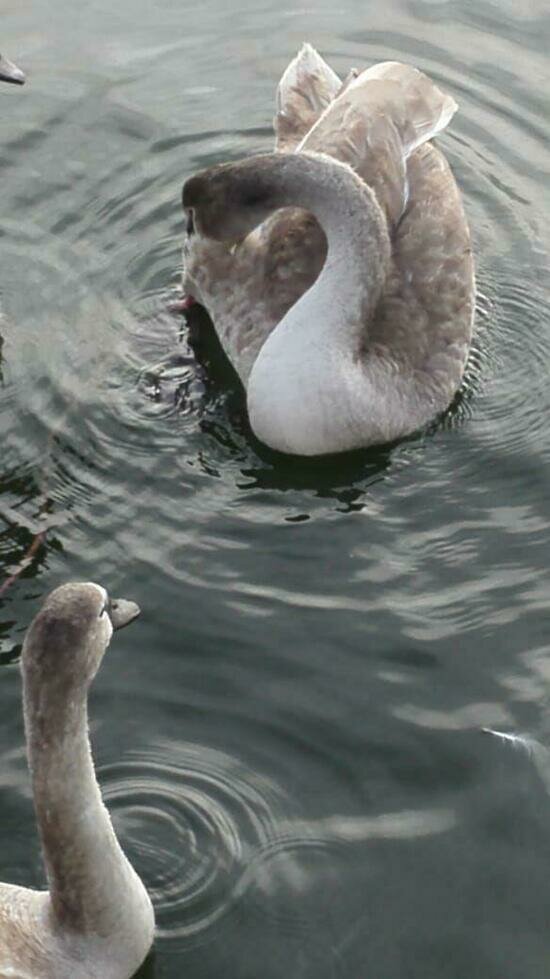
(362, 616)
(190, 818)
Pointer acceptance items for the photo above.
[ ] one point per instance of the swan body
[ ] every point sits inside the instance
(10, 72)
(344, 297)
(96, 920)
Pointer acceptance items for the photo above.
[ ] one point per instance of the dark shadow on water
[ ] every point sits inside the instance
(148, 969)
(342, 477)
(204, 342)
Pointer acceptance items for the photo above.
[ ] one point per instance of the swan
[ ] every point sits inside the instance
(96, 921)
(372, 344)
(10, 72)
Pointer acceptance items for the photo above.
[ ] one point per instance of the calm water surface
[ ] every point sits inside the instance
(290, 739)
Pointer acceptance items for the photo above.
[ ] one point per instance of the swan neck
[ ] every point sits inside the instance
(88, 874)
(355, 228)
(310, 391)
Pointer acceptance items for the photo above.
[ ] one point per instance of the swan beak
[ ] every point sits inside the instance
(10, 72)
(123, 612)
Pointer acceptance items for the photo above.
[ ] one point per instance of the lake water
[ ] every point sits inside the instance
(290, 739)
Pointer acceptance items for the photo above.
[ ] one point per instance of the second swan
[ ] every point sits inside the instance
(338, 269)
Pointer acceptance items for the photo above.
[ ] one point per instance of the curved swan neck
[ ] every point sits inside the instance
(307, 391)
(90, 880)
(349, 214)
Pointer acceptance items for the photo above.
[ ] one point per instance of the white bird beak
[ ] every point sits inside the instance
(10, 72)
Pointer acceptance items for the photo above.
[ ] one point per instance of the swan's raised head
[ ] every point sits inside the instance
(227, 201)
(66, 641)
(10, 72)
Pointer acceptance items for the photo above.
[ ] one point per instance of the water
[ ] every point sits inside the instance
(290, 739)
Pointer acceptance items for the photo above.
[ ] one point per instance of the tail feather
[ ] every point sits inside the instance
(306, 88)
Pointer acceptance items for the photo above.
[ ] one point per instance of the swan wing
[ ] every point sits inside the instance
(426, 110)
(306, 88)
(377, 122)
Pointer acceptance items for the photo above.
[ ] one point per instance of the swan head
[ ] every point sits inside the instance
(10, 72)
(227, 201)
(68, 637)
